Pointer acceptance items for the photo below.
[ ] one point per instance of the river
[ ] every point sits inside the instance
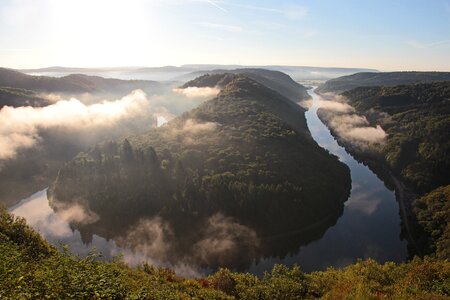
(368, 228)
(370, 225)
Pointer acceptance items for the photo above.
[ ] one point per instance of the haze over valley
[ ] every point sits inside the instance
(224, 150)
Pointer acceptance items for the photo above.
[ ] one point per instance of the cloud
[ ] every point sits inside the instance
(160, 121)
(306, 104)
(19, 126)
(364, 201)
(291, 12)
(307, 33)
(214, 3)
(149, 238)
(419, 45)
(366, 134)
(78, 121)
(224, 239)
(221, 241)
(191, 126)
(76, 213)
(224, 27)
(198, 92)
(348, 125)
(336, 106)
(52, 225)
(190, 132)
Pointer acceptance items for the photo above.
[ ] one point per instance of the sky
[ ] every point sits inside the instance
(381, 34)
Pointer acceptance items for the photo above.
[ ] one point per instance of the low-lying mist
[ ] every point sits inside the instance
(20, 126)
(347, 124)
(220, 241)
(86, 124)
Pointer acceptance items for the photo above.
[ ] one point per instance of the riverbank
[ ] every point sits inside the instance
(376, 163)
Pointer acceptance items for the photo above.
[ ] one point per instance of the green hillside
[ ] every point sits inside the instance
(417, 121)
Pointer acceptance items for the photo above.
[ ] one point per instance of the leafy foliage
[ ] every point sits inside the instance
(433, 214)
(61, 275)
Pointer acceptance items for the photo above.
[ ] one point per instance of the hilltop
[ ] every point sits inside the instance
(278, 81)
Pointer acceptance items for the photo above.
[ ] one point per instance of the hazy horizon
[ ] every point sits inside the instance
(384, 35)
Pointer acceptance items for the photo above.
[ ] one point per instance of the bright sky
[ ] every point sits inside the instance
(381, 34)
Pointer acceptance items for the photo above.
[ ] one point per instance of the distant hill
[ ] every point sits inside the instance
(246, 154)
(275, 80)
(349, 82)
(76, 70)
(71, 84)
(182, 72)
(296, 72)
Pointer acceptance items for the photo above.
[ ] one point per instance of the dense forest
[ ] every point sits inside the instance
(416, 150)
(366, 79)
(30, 268)
(246, 155)
(433, 214)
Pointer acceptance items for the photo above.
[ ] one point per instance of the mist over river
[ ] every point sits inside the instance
(368, 227)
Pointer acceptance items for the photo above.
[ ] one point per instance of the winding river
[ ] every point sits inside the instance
(368, 228)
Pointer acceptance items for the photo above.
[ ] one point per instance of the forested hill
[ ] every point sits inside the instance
(417, 120)
(71, 84)
(278, 81)
(368, 79)
(244, 154)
